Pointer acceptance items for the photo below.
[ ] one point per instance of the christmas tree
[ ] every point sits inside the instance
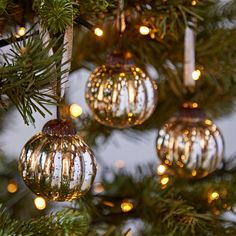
(165, 66)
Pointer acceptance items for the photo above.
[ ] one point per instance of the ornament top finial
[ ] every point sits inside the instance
(191, 105)
(191, 111)
(121, 59)
(59, 128)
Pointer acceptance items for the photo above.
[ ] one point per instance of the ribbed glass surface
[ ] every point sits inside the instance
(190, 147)
(121, 97)
(57, 168)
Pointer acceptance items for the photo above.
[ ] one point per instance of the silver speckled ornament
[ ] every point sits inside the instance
(190, 145)
(56, 164)
(120, 94)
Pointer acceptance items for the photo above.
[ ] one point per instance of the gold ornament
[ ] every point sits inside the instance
(120, 94)
(56, 164)
(190, 145)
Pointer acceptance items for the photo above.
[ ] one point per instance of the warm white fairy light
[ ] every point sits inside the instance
(126, 206)
(119, 164)
(20, 32)
(12, 187)
(161, 169)
(98, 32)
(164, 180)
(196, 74)
(75, 110)
(40, 203)
(214, 196)
(144, 30)
(98, 188)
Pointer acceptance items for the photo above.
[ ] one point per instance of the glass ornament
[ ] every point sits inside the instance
(120, 94)
(56, 163)
(190, 145)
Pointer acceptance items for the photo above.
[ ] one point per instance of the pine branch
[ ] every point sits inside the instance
(3, 6)
(181, 208)
(62, 223)
(96, 6)
(56, 15)
(27, 71)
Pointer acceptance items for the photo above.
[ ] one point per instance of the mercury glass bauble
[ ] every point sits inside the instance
(190, 144)
(56, 163)
(120, 94)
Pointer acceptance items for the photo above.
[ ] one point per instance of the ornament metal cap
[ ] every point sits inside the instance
(59, 128)
(118, 59)
(191, 110)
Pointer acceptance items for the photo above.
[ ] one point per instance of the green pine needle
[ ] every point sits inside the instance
(29, 75)
(64, 223)
(56, 15)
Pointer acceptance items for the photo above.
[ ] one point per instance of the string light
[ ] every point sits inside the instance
(144, 30)
(190, 105)
(98, 32)
(98, 188)
(194, 173)
(40, 203)
(227, 207)
(216, 211)
(119, 164)
(126, 206)
(12, 187)
(164, 180)
(213, 196)
(161, 169)
(196, 74)
(109, 204)
(194, 2)
(75, 110)
(20, 32)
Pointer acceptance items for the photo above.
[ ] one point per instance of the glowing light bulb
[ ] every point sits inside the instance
(12, 187)
(216, 212)
(161, 169)
(126, 206)
(119, 164)
(144, 30)
(98, 32)
(75, 110)
(40, 203)
(196, 74)
(98, 188)
(194, 2)
(194, 105)
(214, 196)
(109, 204)
(165, 180)
(21, 31)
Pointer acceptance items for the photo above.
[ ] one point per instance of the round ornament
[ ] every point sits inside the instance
(56, 164)
(119, 93)
(190, 145)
